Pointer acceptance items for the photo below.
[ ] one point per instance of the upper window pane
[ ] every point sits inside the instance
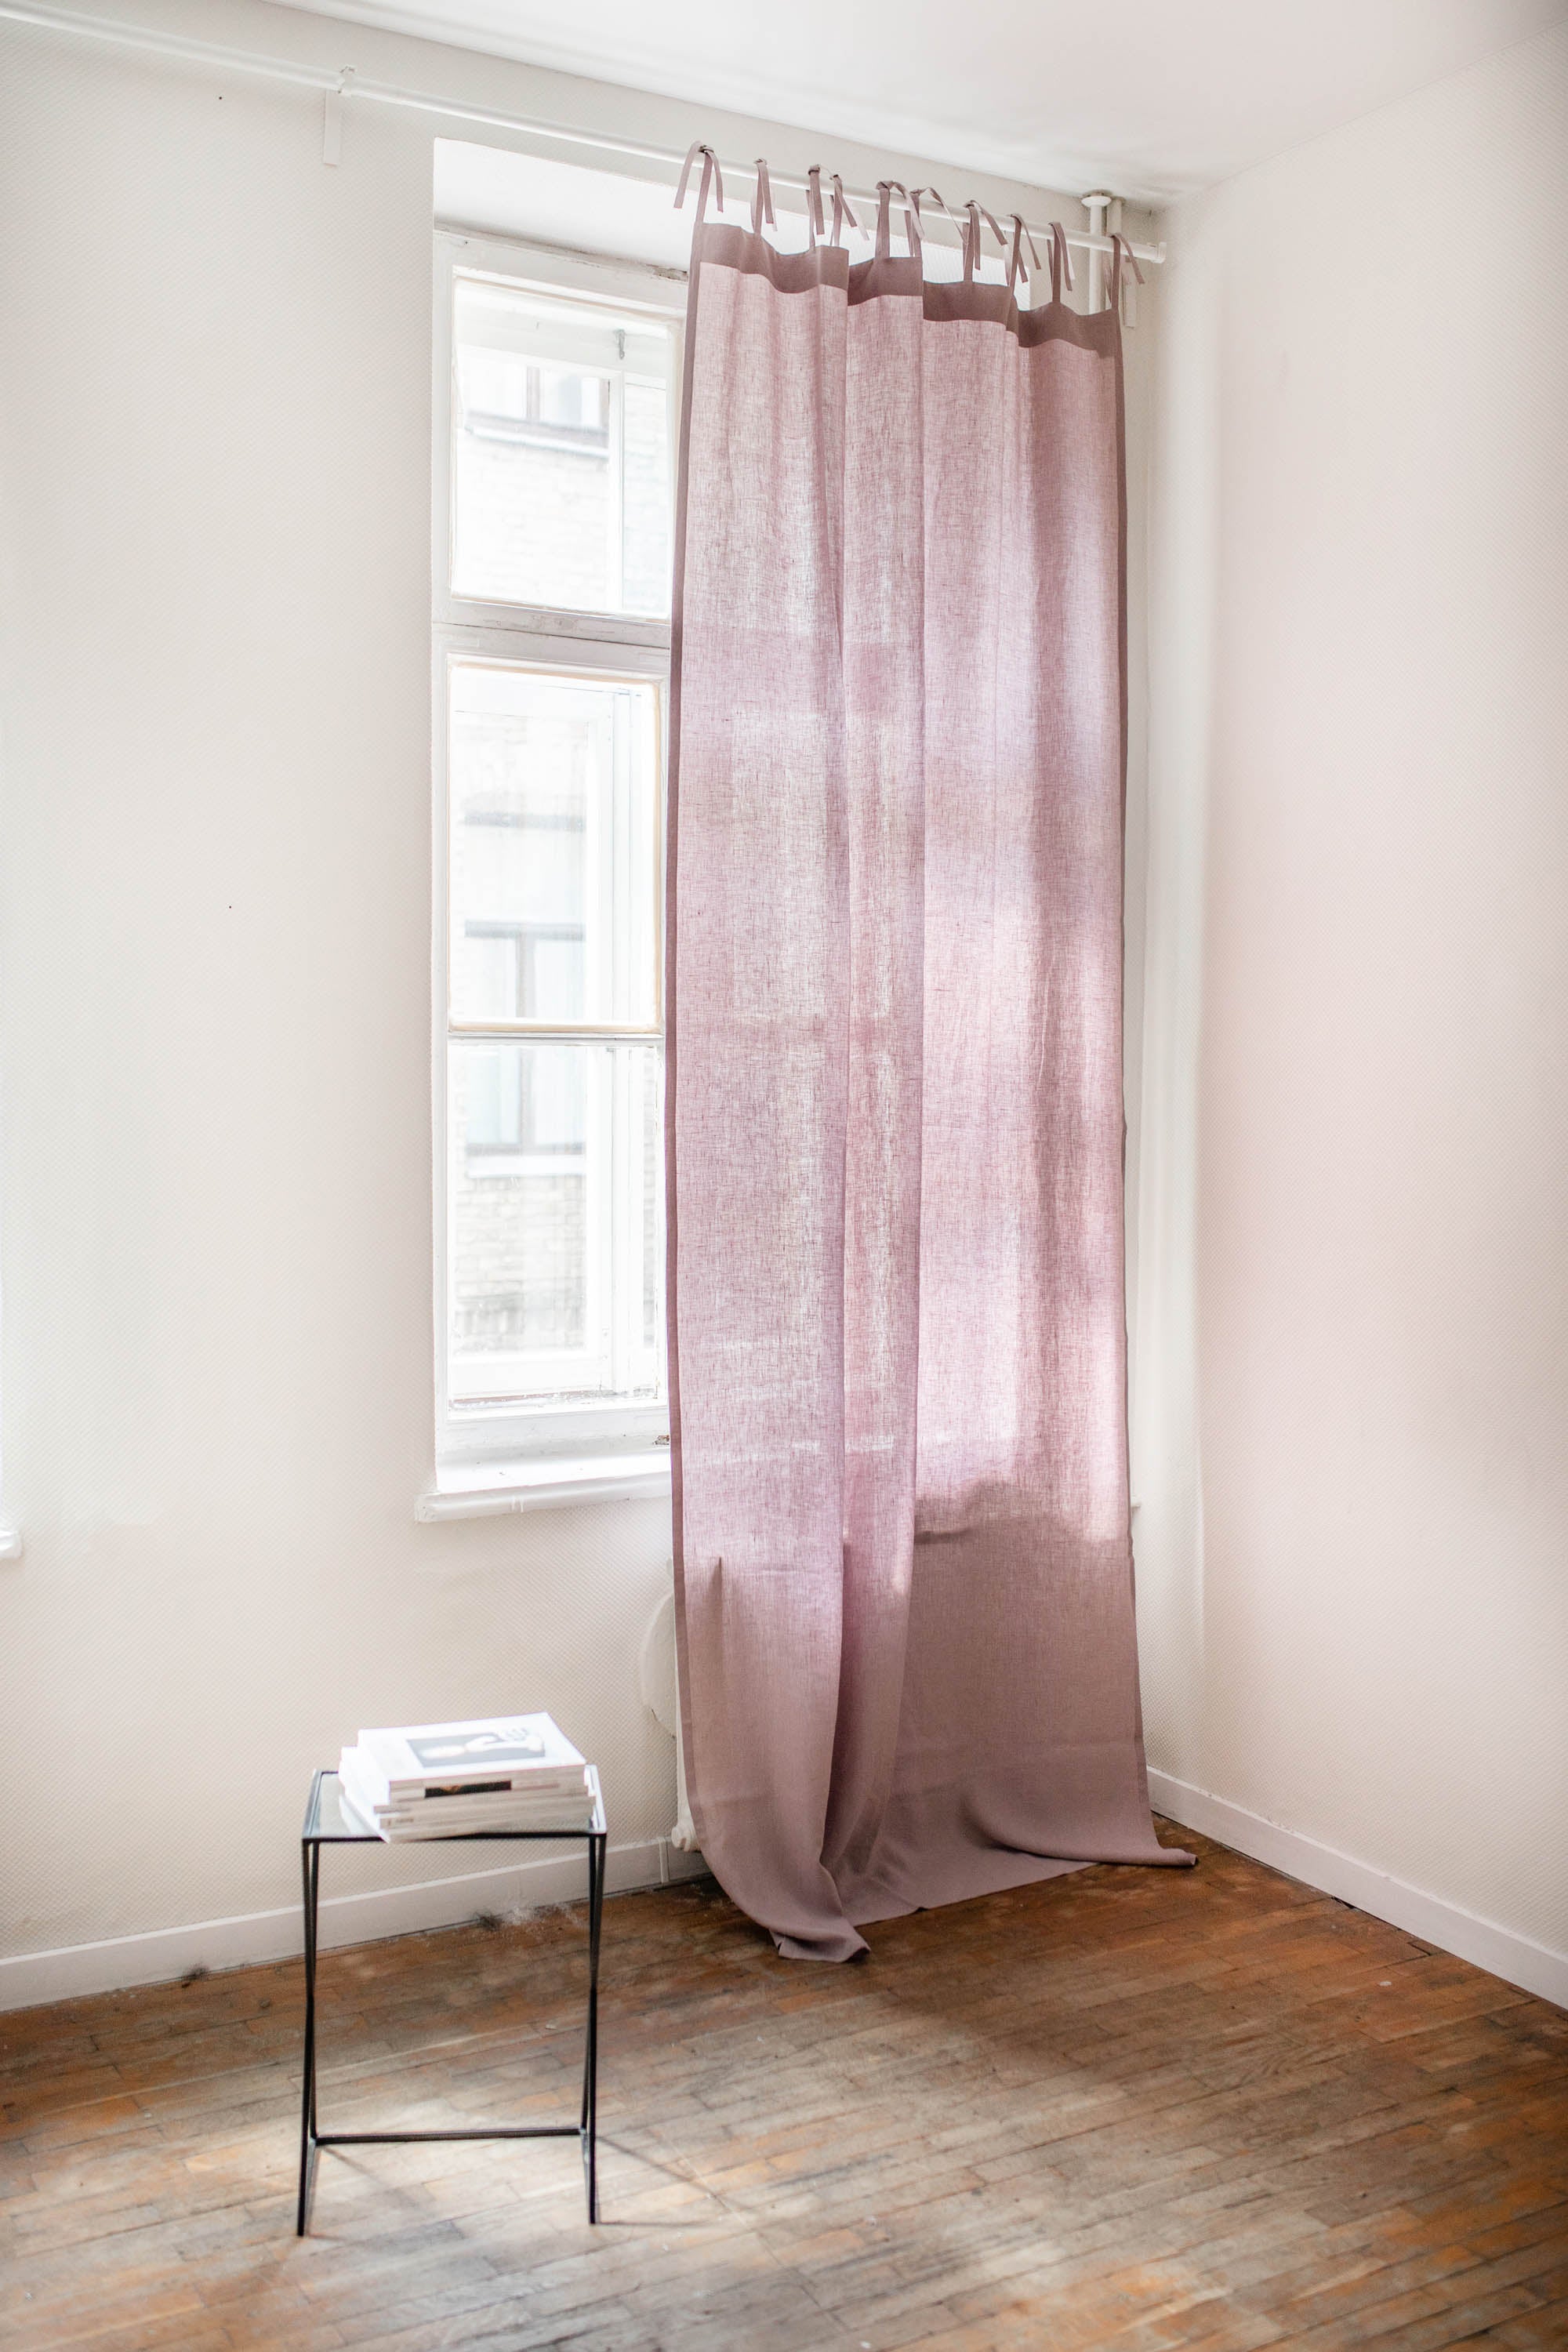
(560, 478)
(554, 850)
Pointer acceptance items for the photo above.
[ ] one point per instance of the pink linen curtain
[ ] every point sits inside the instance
(897, 1351)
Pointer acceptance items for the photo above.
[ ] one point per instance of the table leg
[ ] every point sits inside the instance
(590, 2125)
(311, 2141)
(310, 1873)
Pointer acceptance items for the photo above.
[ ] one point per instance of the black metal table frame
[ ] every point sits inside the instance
(585, 2130)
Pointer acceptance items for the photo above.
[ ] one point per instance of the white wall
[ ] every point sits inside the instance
(1353, 1305)
(215, 1191)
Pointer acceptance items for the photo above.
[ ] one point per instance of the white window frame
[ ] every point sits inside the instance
(510, 1455)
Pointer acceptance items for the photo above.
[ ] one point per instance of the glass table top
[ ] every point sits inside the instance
(329, 1819)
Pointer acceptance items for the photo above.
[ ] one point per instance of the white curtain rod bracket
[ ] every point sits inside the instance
(334, 84)
(332, 119)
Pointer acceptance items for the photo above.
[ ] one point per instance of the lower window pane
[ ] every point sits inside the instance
(554, 1220)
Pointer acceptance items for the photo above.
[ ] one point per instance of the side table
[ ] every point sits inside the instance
(327, 1823)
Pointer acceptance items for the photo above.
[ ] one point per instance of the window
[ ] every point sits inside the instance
(561, 452)
(555, 430)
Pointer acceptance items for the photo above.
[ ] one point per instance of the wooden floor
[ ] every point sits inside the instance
(1142, 2109)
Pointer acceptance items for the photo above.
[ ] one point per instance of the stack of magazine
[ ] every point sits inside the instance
(447, 1780)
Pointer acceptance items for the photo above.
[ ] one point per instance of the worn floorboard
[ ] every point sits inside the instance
(1159, 2111)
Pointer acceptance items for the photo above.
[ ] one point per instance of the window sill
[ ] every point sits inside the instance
(476, 1490)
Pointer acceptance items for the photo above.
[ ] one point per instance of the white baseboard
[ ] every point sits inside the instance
(1517, 1958)
(122, 1961)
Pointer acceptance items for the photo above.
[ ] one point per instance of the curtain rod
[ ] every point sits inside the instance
(347, 83)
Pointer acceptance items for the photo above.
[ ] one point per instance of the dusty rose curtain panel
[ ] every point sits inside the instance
(904, 1585)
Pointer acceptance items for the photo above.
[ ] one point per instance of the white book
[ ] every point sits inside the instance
(456, 1820)
(486, 1813)
(403, 1831)
(451, 1816)
(406, 1761)
(465, 1805)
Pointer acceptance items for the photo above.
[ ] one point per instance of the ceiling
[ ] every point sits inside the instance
(1151, 98)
